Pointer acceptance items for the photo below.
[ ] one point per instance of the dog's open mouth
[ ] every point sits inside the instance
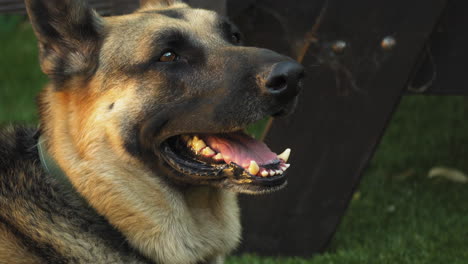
(234, 158)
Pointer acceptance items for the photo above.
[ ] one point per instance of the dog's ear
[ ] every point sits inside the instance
(158, 3)
(69, 35)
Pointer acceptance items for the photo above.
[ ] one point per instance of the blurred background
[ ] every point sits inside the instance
(379, 139)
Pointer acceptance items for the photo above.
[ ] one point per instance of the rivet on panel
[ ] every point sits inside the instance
(339, 46)
(388, 43)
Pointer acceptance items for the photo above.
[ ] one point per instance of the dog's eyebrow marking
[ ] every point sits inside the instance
(169, 38)
(169, 35)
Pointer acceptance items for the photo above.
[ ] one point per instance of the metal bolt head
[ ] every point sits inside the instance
(339, 46)
(388, 43)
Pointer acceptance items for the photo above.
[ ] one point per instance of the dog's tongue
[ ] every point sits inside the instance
(240, 148)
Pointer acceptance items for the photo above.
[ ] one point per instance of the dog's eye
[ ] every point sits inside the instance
(236, 38)
(168, 56)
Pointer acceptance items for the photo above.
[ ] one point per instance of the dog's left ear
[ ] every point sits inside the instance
(69, 35)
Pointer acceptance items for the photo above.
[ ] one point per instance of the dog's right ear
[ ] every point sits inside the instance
(69, 35)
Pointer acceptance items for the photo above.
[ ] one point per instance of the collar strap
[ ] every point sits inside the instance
(54, 170)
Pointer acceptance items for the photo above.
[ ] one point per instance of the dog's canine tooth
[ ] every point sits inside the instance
(207, 151)
(285, 155)
(253, 168)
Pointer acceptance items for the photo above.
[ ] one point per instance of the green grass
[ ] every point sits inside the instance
(20, 75)
(398, 215)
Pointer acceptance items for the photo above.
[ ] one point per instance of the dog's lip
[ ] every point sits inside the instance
(190, 167)
(210, 173)
(159, 140)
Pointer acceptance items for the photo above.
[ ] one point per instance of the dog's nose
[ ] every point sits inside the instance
(283, 80)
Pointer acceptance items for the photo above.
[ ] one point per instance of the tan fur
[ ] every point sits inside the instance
(12, 251)
(160, 4)
(164, 224)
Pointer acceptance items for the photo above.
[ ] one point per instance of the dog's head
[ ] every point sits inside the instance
(168, 86)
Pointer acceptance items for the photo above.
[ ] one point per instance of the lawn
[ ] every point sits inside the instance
(398, 214)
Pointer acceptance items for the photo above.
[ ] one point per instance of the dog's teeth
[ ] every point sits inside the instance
(207, 151)
(264, 173)
(253, 168)
(285, 155)
(279, 172)
(272, 173)
(285, 166)
(198, 144)
(218, 157)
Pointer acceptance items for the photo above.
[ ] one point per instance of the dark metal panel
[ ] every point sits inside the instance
(215, 5)
(12, 6)
(443, 64)
(352, 88)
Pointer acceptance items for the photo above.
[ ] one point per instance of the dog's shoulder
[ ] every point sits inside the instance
(17, 169)
(41, 221)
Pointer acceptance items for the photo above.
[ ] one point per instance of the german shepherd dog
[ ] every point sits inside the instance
(140, 151)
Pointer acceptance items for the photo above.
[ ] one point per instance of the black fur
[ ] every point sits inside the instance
(23, 179)
(65, 27)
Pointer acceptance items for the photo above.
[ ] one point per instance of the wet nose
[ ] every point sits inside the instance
(284, 79)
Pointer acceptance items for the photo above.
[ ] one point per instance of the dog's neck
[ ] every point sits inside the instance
(163, 223)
